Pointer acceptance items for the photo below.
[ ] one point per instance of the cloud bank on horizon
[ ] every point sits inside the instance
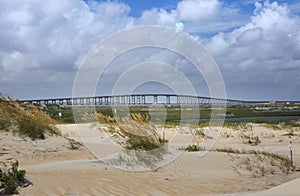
(255, 44)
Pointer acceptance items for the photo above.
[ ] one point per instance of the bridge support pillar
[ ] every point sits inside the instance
(81, 100)
(69, 102)
(168, 100)
(155, 99)
(133, 100)
(138, 99)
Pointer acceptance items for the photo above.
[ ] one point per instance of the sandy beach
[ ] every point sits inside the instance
(55, 167)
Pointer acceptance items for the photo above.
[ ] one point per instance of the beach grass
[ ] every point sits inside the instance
(25, 119)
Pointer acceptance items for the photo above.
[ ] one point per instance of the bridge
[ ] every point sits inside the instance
(143, 100)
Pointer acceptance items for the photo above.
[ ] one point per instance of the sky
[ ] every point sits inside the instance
(256, 44)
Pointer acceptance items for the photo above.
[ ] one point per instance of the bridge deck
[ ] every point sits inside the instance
(146, 99)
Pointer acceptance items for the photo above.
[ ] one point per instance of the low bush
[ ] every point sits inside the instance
(194, 148)
(12, 179)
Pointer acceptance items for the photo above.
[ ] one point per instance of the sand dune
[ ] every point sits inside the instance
(69, 172)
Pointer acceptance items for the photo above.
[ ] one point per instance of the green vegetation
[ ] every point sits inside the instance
(238, 112)
(25, 119)
(53, 111)
(11, 179)
(192, 148)
(173, 113)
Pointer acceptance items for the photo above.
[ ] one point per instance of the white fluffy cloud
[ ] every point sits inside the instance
(186, 11)
(263, 53)
(49, 36)
(158, 17)
(45, 40)
(194, 10)
(271, 33)
(198, 15)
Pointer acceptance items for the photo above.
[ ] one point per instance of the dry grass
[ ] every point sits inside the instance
(142, 143)
(25, 119)
(258, 163)
(138, 134)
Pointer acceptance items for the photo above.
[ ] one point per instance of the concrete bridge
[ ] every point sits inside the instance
(143, 100)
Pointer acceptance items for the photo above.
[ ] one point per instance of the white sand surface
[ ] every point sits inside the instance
(77, 172)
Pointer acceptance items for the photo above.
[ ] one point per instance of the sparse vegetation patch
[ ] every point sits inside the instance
(258, 163)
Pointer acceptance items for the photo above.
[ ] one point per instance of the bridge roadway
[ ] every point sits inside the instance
(142, 99)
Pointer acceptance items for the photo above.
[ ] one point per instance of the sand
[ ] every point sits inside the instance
(55, 169)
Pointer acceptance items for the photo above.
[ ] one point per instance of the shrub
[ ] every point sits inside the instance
(12, 179)
(193, 148)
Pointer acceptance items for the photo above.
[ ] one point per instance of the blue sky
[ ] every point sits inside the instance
(138, 7)
(256, 44)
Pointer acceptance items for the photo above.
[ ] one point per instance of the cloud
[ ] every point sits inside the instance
(193, 10)
(16, 61)
(256, 54)
(45, 41)
(250, 36)
(197, 16)
(179, 26)
(271, 33)
(157, 16)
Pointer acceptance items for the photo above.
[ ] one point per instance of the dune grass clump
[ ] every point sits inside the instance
(105, 119)
(230, 150)
(25, 119)
(140, 139)
(259, 163)
(139, 134)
